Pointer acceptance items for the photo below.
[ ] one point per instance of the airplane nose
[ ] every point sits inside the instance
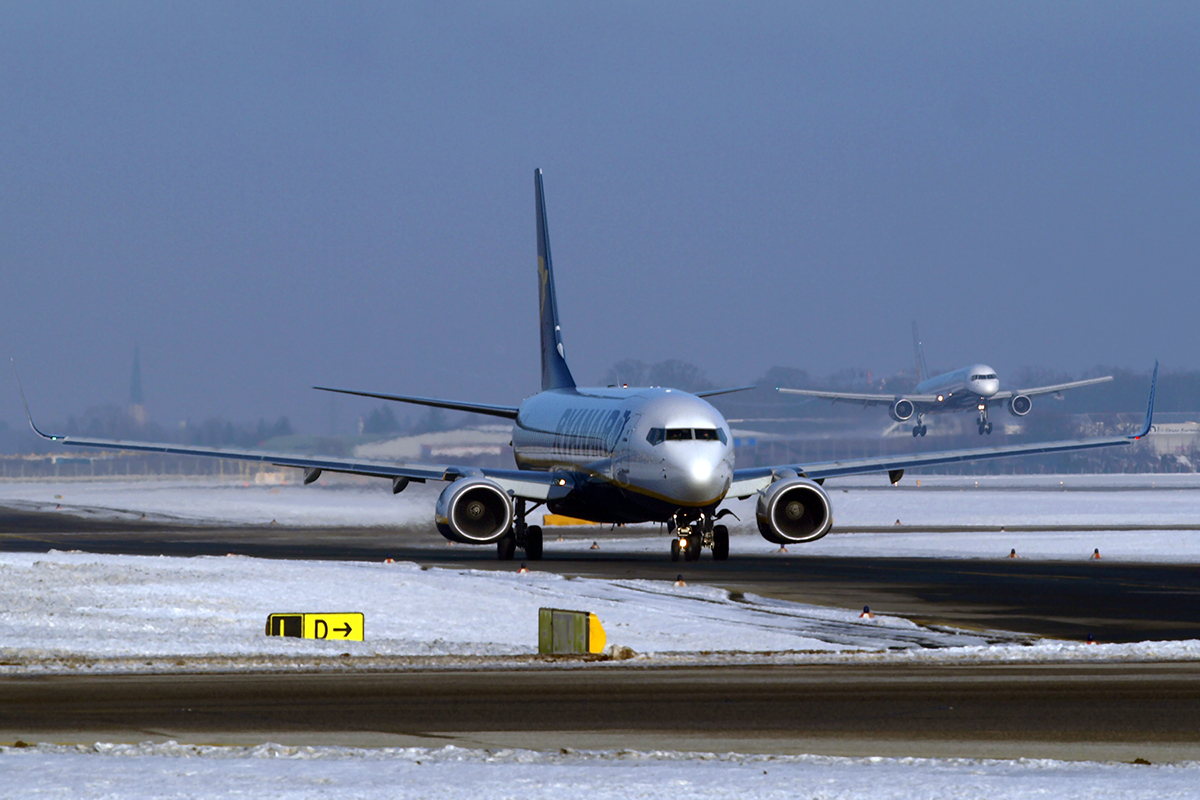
(704, 479)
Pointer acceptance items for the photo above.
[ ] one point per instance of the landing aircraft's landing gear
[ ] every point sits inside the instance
(984, 425)
(526, 537)
(919, 429)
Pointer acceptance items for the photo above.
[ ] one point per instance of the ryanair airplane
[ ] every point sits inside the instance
(613, 455)
(974, 388)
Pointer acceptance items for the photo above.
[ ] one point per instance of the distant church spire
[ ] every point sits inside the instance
(135, 381)
(137, 406)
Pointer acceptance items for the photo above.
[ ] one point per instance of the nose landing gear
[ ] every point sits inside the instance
(984, 425)
(690, 537)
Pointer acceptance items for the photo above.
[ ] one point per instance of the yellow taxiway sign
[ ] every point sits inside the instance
(340, 626)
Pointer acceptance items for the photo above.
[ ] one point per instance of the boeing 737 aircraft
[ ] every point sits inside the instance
(975, 388)
(612, 455)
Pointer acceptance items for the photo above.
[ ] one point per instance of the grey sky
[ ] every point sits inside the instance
(267, 196)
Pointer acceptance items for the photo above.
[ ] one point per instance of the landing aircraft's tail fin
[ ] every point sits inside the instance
(922, 370)
(555, 373)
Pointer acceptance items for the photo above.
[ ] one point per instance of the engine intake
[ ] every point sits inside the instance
(1019, 405)
(902, 410)
(473, 511)
(794, 510)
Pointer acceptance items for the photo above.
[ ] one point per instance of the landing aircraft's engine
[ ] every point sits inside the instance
(1019, 405)
(473, 511)
(902, 410)
(794, 510)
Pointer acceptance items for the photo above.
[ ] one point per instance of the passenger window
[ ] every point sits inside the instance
(678, 434)
(706, 434)
(655, 435)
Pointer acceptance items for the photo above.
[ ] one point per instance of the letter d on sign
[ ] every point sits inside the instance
(321, 629)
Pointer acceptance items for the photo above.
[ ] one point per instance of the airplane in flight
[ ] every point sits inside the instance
(973, 388)
(611, 455)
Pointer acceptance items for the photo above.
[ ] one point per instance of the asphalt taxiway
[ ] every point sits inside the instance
(1093, 712)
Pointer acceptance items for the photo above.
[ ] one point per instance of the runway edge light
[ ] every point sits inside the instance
(341, 626)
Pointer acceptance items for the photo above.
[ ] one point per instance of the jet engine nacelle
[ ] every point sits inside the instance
(902, 410)
(1019, 405)
(793, 510)
(473, 511)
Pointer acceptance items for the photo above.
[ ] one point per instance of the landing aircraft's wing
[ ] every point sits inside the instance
(1058, 387)
(748, 481)
(865, 399)
(527, 485)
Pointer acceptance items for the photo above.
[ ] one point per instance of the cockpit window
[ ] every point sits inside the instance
(657, 435)
(991, 376)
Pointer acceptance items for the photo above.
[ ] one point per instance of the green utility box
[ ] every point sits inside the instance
(562, 632)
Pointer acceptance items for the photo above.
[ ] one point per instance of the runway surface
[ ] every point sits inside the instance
(1114, 602)
(1095, 712)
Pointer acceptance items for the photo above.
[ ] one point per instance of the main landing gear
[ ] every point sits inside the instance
(690, 537)
(526, 537)
(919, 429)
(984, 425)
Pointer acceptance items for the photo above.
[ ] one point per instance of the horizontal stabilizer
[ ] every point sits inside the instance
(508, 412)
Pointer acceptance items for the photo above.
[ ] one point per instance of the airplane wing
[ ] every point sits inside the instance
(525, 484)
(1058, 387)
(748, 481)
(508, 412)
(715, 392)
(858, 397)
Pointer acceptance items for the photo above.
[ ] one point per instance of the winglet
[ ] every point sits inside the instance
(555, 374)
(1149, 407)
(21, 389)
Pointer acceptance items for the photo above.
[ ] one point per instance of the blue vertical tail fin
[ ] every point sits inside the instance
(555, 373)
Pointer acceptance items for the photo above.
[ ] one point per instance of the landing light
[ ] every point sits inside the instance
(940, 398)
(982, 406)
(562, 481)
(683, 543)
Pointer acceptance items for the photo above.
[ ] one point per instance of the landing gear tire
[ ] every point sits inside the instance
(533, 543)
(506, 547)
(720, 543)
(694, 548)
(919, 430)
(988, 429)
(674, 549)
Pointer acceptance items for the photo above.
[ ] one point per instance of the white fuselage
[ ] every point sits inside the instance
(962, 388)
(643, 453)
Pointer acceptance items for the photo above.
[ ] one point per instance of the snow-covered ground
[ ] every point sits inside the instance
(79, 611)
(171, 770)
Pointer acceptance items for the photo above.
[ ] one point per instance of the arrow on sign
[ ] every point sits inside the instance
(344, 630)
